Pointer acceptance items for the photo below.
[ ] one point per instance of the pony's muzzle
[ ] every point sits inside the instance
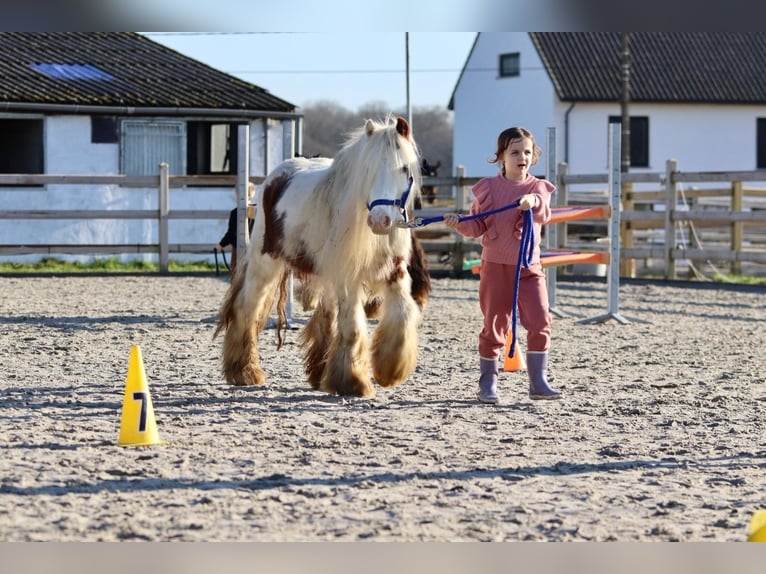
(379, 223)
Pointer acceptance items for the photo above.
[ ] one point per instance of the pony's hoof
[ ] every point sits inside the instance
(246, 379)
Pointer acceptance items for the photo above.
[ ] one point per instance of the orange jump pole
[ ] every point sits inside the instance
(551, 258)
(574, 212)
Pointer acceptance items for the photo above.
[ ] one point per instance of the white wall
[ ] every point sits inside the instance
(486, 104)
(700, 137)
(68, 150)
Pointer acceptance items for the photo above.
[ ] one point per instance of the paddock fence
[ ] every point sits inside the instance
(670, 225)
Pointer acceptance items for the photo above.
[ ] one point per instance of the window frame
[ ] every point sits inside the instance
(760, 143)
(503, 65)
(199, 147)
(22, 150)
(639, 139)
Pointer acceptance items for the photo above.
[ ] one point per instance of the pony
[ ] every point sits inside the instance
(337, 224)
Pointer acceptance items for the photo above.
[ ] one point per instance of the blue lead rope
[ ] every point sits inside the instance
(526, 251)
(423, 221)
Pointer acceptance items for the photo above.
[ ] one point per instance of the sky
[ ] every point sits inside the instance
(349, 69)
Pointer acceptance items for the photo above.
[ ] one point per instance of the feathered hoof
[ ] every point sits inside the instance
(246, 377)
(356, 388)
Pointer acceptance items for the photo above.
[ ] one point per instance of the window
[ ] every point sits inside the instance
(761, 144)
(21, 146)
(211, 148)
(190, 148)
(639, 139)
(104, 129)
(147, 143)
(509, 65)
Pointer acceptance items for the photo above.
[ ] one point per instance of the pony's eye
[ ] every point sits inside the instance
(405, 169)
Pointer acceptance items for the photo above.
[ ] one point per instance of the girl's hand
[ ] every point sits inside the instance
(527, 202)
(451, 220)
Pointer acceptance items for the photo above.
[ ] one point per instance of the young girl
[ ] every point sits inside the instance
(516, 153)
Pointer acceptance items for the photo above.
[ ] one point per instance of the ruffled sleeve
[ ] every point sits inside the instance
(542, 210)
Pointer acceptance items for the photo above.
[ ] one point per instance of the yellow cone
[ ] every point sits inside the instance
(515, 363)
(757, 530)
(137, 424)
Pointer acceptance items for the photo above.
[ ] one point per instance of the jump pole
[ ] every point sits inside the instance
(614, 182)
(551, 231)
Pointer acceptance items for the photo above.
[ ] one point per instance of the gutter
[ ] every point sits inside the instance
(566, 131)
(144, 111)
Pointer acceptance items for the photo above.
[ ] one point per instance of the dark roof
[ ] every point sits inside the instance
(118, 69)
(679, 67)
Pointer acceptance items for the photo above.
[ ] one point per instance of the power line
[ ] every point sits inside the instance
(214, 33)
(420, 71)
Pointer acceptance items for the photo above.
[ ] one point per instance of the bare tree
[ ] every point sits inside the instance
(327, 123)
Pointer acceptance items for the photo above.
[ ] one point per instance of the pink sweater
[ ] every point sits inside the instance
(502, 231)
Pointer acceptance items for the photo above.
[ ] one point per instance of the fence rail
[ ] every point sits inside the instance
(739, 215)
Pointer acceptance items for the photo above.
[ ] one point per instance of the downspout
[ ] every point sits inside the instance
(566, 131)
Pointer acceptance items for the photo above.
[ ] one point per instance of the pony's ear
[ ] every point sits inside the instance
(402, 127)
(369, 127)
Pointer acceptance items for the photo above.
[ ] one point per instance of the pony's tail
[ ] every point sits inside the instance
(418, 268)
(226, 314)
(281, 315)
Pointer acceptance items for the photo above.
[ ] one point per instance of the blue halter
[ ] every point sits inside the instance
(400, 203)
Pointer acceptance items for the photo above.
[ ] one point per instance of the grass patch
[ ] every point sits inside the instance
(103, 265)
(739, 279)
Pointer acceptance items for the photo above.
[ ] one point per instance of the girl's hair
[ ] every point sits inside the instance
(250, 192)
(510, 135)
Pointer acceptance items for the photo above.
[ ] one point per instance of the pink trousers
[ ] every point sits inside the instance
(496, 288)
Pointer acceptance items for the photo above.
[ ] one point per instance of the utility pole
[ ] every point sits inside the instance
(407, 62)
(625, 139)
(627, 266)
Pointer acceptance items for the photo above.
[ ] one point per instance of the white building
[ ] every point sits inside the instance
(697, 97)
(119, 104)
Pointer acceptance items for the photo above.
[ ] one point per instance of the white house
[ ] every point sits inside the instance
(697, 97)
(119, 103)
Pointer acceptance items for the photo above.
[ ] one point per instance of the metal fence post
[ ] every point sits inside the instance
(458, 253)
(243, 177)
(164, 201)
(671, 166)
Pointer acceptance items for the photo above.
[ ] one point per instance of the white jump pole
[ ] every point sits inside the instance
(551, 231)
(615, 201)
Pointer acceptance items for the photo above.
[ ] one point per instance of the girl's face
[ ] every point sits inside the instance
(517, 159)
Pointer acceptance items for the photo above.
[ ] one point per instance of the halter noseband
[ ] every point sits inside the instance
(400, 203)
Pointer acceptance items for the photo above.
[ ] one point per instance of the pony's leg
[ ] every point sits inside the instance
(347, 370)
(244, 314)
(314, 337)
(395, 342)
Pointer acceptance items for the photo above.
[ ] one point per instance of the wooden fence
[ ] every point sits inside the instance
(649, 219)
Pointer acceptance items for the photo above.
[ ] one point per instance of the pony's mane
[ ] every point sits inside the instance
(356, 160)
(356, 166)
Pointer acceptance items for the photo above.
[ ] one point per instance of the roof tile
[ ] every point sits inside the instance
(680, 67)
(145, 74)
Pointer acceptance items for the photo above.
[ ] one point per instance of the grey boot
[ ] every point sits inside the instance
(488, 381)
(537, 368)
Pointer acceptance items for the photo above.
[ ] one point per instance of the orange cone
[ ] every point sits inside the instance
(517, 362)
(137, 424)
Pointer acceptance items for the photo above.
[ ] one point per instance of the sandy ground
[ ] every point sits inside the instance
(660, 435)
